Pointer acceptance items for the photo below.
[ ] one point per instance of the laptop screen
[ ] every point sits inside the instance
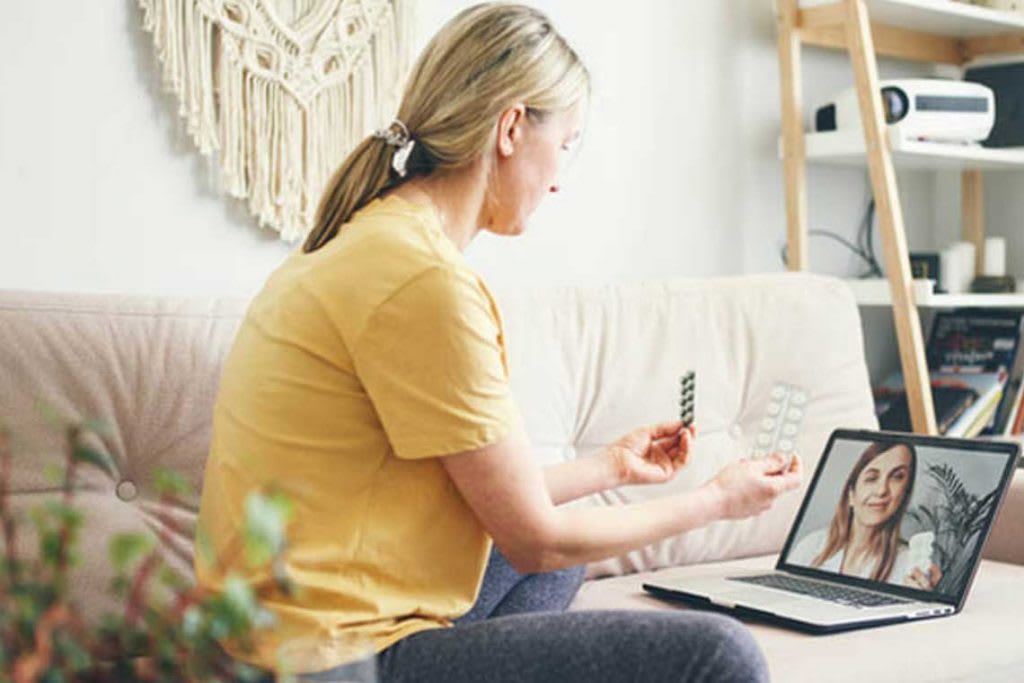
(907, 511)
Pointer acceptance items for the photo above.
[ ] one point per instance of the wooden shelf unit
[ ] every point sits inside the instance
(846, 148)
(933, 31)
(875, 292)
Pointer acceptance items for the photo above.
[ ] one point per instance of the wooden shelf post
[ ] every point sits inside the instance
(972, 204)
(793, 153)
(947, 33)
(890, 214)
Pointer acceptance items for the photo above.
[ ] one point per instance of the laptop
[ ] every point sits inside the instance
(890, 530)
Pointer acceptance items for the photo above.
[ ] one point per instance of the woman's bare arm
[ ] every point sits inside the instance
(577, 478)
(508, 492)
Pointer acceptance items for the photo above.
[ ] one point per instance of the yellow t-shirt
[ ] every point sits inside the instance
(353, 367)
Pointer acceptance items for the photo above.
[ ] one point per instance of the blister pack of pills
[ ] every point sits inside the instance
(780, 426)
(687, 397)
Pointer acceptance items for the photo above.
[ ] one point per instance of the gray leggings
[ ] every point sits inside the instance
(517, 631)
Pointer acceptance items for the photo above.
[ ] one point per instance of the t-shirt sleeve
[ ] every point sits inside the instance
(432, 360)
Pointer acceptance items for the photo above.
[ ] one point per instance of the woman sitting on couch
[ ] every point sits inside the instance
(369, 380)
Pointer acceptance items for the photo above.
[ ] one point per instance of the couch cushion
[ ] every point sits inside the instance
(590, 364)
(979, 644)
(147, 367)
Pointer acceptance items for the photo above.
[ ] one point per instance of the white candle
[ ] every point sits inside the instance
(995, 257)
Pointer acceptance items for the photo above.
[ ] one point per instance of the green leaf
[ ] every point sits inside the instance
(192, 622)
(239, 596)
(172, 579)
(50, 544)
(64, 515)
(50, 414)
(248, 674)
(126, 549)
(72, 652)
(95, 458)
(52, 676)
(54, 473)
(98, 427)
(266, 517)
(167, 482)
(120, 585)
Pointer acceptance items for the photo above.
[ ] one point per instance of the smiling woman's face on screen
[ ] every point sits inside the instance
(881, 486)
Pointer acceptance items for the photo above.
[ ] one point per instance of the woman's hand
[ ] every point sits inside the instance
(650, 455)
(748, 487)
(917, 578)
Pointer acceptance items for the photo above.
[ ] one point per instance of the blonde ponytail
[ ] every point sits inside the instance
(488, 58)
(364, 174)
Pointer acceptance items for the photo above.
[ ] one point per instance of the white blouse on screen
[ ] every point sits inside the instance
(807, 548)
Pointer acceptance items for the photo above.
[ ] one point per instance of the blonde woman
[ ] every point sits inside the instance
(863, 538)
(369, 379)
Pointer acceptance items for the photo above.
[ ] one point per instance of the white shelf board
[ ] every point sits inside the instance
(876, 292)
(846, 148)
(941, 17)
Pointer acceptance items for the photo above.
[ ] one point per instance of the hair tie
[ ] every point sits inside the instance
(402, 140)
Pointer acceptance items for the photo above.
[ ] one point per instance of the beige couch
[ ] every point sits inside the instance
(588, 365)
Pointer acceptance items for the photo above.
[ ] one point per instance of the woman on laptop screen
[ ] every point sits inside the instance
(863, 539)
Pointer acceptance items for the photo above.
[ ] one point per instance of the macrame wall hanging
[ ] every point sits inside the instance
(281, 90)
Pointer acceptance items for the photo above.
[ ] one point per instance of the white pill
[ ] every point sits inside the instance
(767, 423)
(778, 391)
(760, 452)
(794, 414)
(764, 439)
(789, 430)
(785, 445)
(774, 408)
(799, 398)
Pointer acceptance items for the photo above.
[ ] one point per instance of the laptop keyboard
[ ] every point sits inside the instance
(843, 595)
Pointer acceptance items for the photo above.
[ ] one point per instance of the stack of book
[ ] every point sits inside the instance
(976, 365)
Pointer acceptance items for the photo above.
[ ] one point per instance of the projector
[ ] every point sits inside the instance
(920, 109)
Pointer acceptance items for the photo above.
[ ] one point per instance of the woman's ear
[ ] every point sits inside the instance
(510, 129)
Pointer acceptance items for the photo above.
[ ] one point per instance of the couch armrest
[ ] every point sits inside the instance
(1006, 544)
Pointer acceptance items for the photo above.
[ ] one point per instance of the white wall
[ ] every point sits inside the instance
(1004, 213)
(677, 174)
(100, 190)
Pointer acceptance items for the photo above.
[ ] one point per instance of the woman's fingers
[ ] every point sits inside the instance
(682, 453)
(677, 446)
(666, 429)
(674, 437)
(926, 581)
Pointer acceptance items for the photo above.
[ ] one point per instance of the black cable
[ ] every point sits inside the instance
(876, 267)
(831, 235)
(865, 232)
(863, 248)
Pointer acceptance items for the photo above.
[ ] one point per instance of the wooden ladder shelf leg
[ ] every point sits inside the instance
(794, 163)
(890, 213)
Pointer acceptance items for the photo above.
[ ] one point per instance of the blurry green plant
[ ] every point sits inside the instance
(957, 518)
(169, 629)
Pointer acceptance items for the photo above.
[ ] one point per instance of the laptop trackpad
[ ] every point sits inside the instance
(758, 598)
